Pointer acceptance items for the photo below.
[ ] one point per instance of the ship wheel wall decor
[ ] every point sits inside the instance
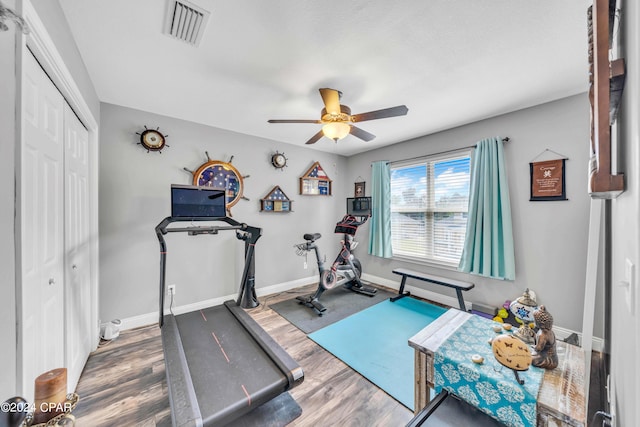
(221, 175)
(152, 139)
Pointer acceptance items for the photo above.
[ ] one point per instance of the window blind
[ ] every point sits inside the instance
(429, 203)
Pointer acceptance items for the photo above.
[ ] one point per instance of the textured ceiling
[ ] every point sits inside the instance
(450, 62)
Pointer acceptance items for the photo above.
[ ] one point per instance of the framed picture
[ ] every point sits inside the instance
(548, 180)
(315, 182)
(359, 189)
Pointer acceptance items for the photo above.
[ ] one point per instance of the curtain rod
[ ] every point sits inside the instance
(506, 139)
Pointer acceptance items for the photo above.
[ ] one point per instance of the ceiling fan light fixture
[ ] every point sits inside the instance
(338, 122)
(336, 130)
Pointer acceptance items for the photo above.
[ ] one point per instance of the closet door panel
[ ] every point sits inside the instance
(29, 218)
(77, 238)
(41, 334)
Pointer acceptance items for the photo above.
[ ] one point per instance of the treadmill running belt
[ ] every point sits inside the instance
(221, 366)
(229, 372)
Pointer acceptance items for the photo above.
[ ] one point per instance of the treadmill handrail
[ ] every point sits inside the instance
(163, 226)
(247, 233)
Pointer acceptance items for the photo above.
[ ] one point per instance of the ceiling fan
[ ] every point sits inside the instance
(338, 121)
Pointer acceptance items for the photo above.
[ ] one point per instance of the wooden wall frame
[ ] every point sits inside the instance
(276, 201)
(602, 183)
(315, 182)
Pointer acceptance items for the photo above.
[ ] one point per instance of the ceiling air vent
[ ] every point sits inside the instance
(185, 21)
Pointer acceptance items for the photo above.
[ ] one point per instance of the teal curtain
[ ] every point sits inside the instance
(380, 231)
(488, 247)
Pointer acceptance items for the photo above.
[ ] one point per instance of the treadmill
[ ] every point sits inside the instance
(221, 366)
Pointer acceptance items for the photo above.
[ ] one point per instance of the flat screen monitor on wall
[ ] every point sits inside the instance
(194, 201)
(359, 206)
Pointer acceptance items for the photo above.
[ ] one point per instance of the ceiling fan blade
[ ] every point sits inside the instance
(362, 134)
(294, 121)
(400, 110)
(331, 99)
(315, 138)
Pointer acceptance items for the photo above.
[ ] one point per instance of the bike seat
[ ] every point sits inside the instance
(312, 237)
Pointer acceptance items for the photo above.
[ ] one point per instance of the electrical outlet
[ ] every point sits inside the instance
(172, 290)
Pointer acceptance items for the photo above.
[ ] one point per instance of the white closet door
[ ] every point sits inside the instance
(42, 243)
(77, 252)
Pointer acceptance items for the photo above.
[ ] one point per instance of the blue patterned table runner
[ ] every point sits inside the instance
(489, 386)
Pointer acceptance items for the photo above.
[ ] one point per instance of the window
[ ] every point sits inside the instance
(429, 204)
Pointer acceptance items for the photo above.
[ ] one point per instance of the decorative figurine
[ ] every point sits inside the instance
(523, 308)
(546, 356)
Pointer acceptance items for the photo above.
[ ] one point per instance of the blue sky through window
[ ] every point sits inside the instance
(451, 179)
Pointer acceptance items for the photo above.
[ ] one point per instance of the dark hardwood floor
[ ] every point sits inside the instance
(124, 381)
(124, 384)
(597, 391)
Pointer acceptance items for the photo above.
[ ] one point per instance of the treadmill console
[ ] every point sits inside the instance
(194, 201)
(359, 206)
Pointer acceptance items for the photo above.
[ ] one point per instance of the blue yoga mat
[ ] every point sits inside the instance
(374, 342)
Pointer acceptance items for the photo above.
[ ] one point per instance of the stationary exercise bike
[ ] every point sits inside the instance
(346, 269)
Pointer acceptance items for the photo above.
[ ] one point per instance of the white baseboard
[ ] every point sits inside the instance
(286, 286)
(597, 344)
(151, 318)
(138, 321)
(561, 333)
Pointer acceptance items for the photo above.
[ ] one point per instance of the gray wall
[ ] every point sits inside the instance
(550, 237)
(135, 197)
(625, 326)
(7, 195)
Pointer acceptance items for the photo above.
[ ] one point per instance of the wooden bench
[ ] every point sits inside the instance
(458, 285)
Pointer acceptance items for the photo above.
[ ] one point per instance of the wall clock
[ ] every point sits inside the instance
(152, 139)
(278, 160)
(221, 175)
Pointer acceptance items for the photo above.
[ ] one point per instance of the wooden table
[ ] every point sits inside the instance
(561, 399)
